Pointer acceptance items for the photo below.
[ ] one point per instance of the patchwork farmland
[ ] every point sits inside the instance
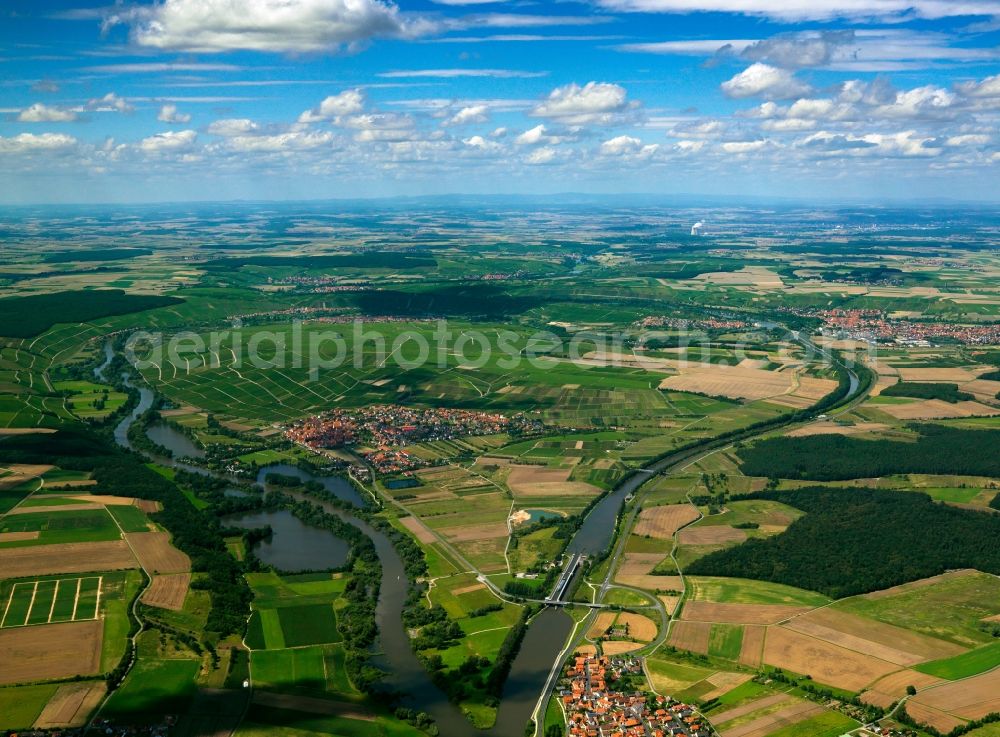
(51, 600)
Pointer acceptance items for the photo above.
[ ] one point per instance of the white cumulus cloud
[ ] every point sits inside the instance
(544, 155)
(763, 79)
(348, 102)
(469, 114)
(594, 102)
(42, 113)
(29, 142)
(209, 26)
(168, 141)
(110, 103)
(169, 114)
(231, 127)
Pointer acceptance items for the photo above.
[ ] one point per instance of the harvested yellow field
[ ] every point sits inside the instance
(469, 589)
(107, 499)
(706, 611)
(71, 705)
(826, 663)
(711, 535)
(43, 560)
(467, 533)
(11, 537)
(947, 375)
(156, 553)
(54, 508)
(982, 389)
(893, 687)
(884, 641)
(635, 571)
(601, 625)
(730, 381)
(693, 636)
(932, 717)
(670, 603)
(775, 700)
(828, 427)
(663, 522)
(639, 626)
(930, 409)
(971, 698)
(774, 721)
(54, 651)
(752, 649)
(541, 481)
(724, 682)
(617, 648)
(168, 592)
(418, 528)
(21, 472)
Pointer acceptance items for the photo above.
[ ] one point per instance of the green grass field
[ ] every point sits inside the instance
(267, 722)
(967, 664)
(52, 599)
(153, 687)
(745, 591)
(61, 527)
(951, 609)
(21, 705)
(310, 624)
(725, 641)
(827, 724)
(298, 669)
(131, 519)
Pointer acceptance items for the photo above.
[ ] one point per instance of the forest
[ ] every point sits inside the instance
(853, 541)
(25, 317)
(944, 392)
(938, 450)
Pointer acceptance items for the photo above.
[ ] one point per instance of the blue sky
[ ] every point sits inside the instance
(271, 99)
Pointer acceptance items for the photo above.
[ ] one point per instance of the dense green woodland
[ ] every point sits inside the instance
(937, 450)
(852, 541)
(945, 392)
(26, 317)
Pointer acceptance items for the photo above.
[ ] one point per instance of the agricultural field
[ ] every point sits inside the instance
(499, 505)
(293, 635)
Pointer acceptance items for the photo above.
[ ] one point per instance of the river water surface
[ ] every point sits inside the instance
(547, 633)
